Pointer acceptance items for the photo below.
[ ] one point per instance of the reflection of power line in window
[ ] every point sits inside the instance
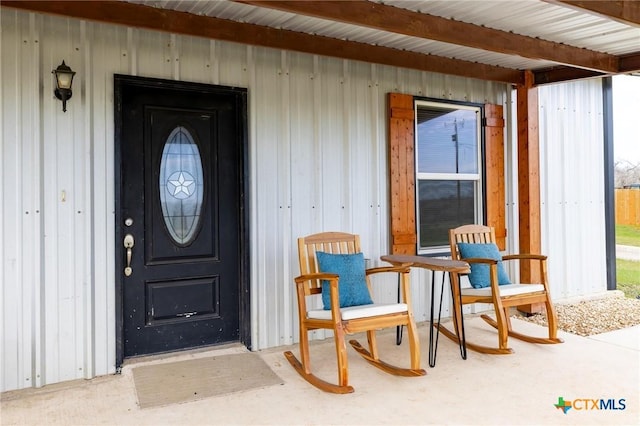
(455, 138)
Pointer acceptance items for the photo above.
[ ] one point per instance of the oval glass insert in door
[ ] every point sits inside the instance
(181, 186)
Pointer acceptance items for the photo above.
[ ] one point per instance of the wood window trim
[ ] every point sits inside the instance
(402, 173)
(495, 204)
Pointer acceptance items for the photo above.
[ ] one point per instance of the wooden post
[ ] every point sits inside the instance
(529, 181)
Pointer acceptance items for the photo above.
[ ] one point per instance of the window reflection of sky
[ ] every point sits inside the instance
(437, 146)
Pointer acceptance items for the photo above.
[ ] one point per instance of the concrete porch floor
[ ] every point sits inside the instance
(517, 389)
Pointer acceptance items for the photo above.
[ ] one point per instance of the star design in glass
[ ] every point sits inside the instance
(181, 186)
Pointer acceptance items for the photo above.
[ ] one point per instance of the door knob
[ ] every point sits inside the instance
(128, 244)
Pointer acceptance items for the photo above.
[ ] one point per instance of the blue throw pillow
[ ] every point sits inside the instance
(479, 276)
(352, 285)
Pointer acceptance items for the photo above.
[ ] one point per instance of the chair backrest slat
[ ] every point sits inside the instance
(328, 242)
(469, 234)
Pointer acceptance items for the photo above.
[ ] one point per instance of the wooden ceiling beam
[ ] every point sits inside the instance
(561, 74)
(402, 21)
(141, 16)
(625, 11)
(629, 63)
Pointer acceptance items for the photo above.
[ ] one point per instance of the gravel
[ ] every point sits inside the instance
(590, 317)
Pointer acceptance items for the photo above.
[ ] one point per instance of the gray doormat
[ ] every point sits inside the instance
(177, 382)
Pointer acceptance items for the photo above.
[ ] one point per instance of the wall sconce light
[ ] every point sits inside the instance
(64, 79)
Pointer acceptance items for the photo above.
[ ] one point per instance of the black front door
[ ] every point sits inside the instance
(179, 217)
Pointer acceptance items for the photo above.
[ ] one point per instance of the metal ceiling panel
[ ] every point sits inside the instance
(533, 18)
(536, 18)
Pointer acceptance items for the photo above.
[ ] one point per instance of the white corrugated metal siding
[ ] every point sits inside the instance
(572, 187)
(318, 161)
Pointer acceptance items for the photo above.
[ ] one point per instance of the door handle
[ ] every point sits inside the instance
(128, 244)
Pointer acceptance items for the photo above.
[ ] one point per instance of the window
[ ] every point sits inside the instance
(448, 170)
(424, 188)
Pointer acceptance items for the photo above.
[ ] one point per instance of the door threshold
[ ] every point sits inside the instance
(175, 356)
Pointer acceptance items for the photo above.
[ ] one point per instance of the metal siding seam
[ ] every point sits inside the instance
(109, 200)
(101, 291)
(257, 295)
(38, 355)
(89, 326)
(12, 335)
(214, 64)
(348, 146)
(289, 310)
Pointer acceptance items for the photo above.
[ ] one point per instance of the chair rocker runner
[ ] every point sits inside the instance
(335, 258)
(478, 244)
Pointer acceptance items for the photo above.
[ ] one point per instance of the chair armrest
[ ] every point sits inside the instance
(319, 276)
(334, 295)
(399, 269)
(524, 256)
(478, 260)
(481, 260)
(403, 270)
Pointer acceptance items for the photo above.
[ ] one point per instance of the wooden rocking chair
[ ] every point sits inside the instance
(478, 238)
(334, 249)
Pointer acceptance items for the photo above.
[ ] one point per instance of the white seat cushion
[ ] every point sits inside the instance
(362, 311)
(505, 290)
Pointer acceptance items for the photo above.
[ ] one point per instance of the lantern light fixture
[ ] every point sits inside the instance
(64, 79)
